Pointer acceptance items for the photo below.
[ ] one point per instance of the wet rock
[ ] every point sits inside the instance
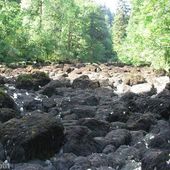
(32, 81)
(64, 161)
(119, 137)
(138, 121)
(98, 127)
(84, 82)
(7, 114)
(6, 101)
(156, 159)
(33, 136)
(80, 142)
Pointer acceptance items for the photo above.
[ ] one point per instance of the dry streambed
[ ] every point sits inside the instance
(84, 117)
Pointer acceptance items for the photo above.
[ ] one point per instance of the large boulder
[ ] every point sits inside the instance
(36, 135)
(119, 137)
(84, 82)
(80, 141)
(32, 81)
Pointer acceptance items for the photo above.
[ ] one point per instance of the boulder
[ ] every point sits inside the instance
(80, 142)
(64, 161)
(119, 112)
(138, 121)
(119, 137)
(156, 159)
(32, 81)
(98, 127)
(84, 82)
(133, 79)
(36, 135)
(50, 88)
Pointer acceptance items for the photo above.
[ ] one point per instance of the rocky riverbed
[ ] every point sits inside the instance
(84, 117)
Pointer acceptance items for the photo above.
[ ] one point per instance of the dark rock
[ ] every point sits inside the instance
(122, 154)
(80, 142)
(81, 163)
(118, 125)
(64, 161)
(119, 112)
(2, 153)
(84, 82)
(50, 88)
(138, 121)
(32, 104)
(48, 103)
(137, 136)
(156, 159)
(69, 103)
(27, 166)
(102, 142)
(131, 165)
(34, 136)
(158, 106)
(98, 127)
(6, 101)
(83, 111)
(97, 160)
(7, 114)
(109, 149)
(2, 80)
(32, 81)
(119, 137)
(160, 136)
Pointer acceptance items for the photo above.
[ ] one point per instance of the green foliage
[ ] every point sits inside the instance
(54, 30)
(148, 33)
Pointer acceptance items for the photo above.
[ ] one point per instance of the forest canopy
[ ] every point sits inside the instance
(82, 30)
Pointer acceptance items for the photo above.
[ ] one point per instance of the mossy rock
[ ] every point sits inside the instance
(32, 81)
(6, 101)
(133, 79)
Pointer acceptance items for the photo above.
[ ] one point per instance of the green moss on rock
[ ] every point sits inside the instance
(32, 81)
